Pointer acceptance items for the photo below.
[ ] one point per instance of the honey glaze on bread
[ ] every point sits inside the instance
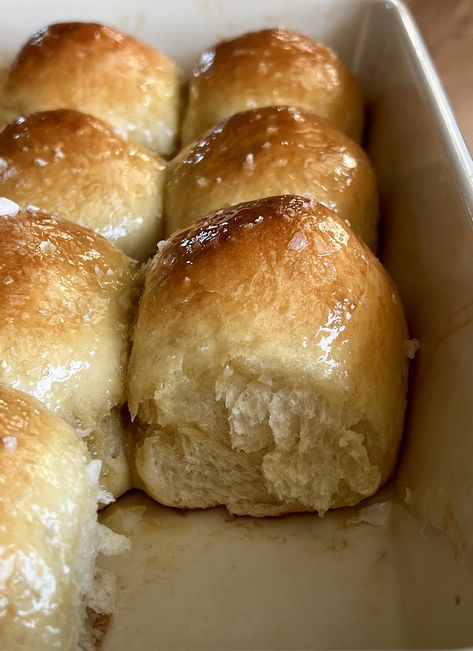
(67, 298)
(72, 164)
(267, 68)
(269, 367)
(98, 70)
(48, 506)
(270, 151)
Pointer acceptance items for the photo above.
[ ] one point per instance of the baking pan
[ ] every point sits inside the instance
(397, 571)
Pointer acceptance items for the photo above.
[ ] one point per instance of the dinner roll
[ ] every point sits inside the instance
(273, 66)
(269, 151)
(66, 303)
(69, 163)
(48, 513)
(268, 369)
(98, 70)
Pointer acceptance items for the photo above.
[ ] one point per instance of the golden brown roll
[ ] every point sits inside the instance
(266, 68)
(269, 363)
(66, 303)
(48, 513)
(271, 151)
(69, 163)
(98, 70)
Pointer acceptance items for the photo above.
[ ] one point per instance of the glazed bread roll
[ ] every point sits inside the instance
(66, 302)
(69, 163)
(48, 513)
(266, 68)
(269, 362)
(98, 70)
(266, 152)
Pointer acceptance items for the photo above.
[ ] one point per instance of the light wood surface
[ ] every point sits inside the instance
(447, 27)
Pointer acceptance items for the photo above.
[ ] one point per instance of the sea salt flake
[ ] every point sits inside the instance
(8, 208)
(298, 242)
(47, 246)
(249, 161)
(9, 442)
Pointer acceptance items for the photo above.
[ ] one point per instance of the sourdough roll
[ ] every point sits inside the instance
(266, 68)
(66, 302)
(270, 151)
(72, 164)
(48, 513)
(98, 70)
(268, 369)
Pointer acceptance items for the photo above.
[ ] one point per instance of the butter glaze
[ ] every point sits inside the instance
(66, 302)
(269, 67)
(271, 151)
(69, 163)
(98, 70)
(269, 367)
(47, 527)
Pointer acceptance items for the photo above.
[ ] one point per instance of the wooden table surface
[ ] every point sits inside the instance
(447, 27)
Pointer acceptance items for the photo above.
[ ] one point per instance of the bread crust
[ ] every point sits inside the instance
(74, 165)
(271, 67)
(271, 151)
(98, 70)
(272, 300)
(47, 527)
(67, 298)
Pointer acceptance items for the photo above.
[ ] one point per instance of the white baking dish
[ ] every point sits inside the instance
(206, 581)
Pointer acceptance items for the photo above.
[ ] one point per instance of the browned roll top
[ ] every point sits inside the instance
(98, 70)
(74, 165)
(270, 67)
(270, 151)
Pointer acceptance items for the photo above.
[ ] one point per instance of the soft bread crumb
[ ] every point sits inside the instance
(412, 346)
(93, 471)
(110, 543)
(105, 497)
(162, 245)
(82, 433)
(98, 625)
(268, 368)
(101, 604)
(125, 519)
(101, 598)
(289, 449)
(376, 514)
(407, 495)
